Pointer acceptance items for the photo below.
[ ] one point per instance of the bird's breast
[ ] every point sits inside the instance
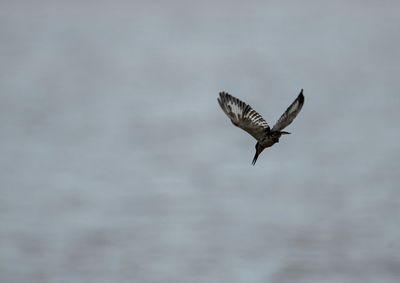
(267, 142)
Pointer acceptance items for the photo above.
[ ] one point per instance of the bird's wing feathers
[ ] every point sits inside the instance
(290, 113)
(243, 116)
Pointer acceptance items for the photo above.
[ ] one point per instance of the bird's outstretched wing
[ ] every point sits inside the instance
(243, 116)
(290, 113)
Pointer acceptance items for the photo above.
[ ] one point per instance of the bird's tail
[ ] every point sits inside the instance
(255, 158)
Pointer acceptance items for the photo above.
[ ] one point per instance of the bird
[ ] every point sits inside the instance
(245, 117)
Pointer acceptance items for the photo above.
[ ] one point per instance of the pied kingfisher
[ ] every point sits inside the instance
(244, 117)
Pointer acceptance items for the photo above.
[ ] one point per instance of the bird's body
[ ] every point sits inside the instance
(244, 117)
(270, 139)
(267, 142)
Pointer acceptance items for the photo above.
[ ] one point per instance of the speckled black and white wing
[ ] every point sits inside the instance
(243, 116)
(290, 113)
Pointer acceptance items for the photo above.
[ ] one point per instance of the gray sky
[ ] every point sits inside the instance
(117, 164)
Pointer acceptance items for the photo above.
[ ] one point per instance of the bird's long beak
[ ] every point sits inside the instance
(255, 158)
(285, 133)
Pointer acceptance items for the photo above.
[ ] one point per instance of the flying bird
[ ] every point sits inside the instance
(244, 117)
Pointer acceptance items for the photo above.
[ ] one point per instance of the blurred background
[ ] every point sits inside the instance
(117, 164)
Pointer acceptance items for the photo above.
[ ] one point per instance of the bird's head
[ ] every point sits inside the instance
(276, 135)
